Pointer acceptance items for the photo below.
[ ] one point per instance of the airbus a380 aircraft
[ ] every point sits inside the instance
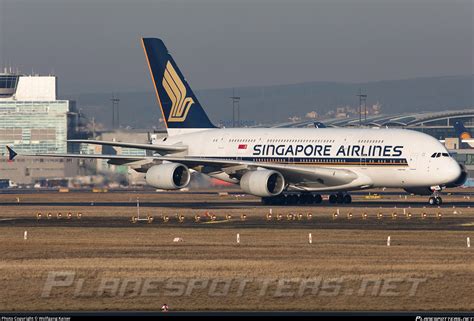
(281, 165)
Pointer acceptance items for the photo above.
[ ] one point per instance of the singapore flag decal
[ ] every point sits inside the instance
(242, 148)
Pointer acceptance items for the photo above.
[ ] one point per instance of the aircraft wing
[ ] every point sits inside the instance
(162, 149)
(113, 159)
(299, 176)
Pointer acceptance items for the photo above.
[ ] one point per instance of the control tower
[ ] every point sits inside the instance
(8, 84)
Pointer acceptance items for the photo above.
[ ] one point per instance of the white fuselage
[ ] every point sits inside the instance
(384, 157)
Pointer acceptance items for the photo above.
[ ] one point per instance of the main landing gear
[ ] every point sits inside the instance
(305, 199)
(293, 199)
(340, 198)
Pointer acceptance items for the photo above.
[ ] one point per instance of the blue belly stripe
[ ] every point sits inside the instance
(320, 160)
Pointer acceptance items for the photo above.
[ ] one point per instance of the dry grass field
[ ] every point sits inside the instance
(139, 267)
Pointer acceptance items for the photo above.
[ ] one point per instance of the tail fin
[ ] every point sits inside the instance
(318, 124)
(179, 106)
(461, 131)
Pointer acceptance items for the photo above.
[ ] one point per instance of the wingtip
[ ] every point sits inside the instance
(11, 153)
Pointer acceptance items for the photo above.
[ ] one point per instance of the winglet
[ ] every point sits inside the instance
(11, 154)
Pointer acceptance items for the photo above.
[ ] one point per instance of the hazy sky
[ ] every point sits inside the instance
(93, 46)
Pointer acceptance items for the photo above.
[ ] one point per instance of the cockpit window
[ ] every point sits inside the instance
(438, 155)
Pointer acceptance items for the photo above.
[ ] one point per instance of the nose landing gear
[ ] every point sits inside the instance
(435, 199)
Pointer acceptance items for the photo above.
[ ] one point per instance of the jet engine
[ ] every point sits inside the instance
(168, 176)
(262, 183)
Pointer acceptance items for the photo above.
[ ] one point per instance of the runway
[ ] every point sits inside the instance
(234, 205)
(213, 199)
(116, 210)
(372, 223)
(26, 191)
(103, 242)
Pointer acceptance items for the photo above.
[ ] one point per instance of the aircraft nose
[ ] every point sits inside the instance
(453, 172)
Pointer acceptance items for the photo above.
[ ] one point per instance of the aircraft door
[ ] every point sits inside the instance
(413, 161)
(222, 143)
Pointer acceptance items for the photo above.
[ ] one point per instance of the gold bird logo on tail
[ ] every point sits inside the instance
(176, 90)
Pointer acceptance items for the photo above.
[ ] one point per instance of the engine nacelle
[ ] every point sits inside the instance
(168, 176)
(262, 183)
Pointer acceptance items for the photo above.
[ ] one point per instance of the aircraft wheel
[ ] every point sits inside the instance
(295, 199)
(317, 199)
(280, 200)
(306, 199)
(432, 201)
(347, 199)
(333, 198)
(266, 201)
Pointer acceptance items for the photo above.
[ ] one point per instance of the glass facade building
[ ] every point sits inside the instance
(33, 120)
(34, 126)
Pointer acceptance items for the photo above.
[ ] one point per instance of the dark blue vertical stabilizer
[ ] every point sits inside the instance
(179, 105)
(461, 131)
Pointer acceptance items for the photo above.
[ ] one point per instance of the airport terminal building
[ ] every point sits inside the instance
(437, 124)
(32, 120)
(440, 125)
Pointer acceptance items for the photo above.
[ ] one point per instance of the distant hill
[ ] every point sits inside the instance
(271, 104)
